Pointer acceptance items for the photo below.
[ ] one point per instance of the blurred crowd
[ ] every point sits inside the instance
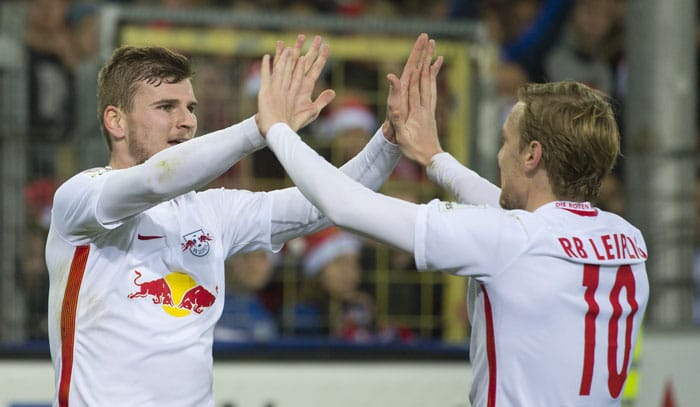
(539, 40)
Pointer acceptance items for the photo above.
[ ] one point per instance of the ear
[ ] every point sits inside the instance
(114, 122)
(532, 156)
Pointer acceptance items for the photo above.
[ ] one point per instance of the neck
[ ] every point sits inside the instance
(540, 192)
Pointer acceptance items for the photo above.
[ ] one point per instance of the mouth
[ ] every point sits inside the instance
(177, 141)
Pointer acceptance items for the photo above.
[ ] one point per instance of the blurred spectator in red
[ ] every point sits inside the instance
(345, 128)
(38, 197)
(330, 301)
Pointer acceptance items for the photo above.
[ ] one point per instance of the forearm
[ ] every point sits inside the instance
(464, 184)
(176, 170)
(346, 202)
(373, 165)
(293, 215)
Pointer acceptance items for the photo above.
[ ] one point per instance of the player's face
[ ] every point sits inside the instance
(513, 180)
(162, 116)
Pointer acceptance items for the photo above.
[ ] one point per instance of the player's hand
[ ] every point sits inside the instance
(396, 98)
(286, 87)
(412, 103)
(307, 110)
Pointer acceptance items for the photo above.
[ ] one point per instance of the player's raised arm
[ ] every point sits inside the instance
(344, 201)
(412, 116)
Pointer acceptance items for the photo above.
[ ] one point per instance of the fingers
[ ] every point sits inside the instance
(292, 55)
(396, 103)
(314, 72)
(279, 47)
(300, 42)
(265, 72)
(323, 100)
(297, 77)
(312, 53)
(434, 70)
(415, 57)
(425, 82)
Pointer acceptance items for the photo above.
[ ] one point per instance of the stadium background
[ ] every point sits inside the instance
(661, 159)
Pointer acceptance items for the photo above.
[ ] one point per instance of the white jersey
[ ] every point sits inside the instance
(556, 300)
(133, 303)
(558, 294)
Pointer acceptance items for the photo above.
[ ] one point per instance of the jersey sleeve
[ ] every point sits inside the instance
(175, 171)
(293, 215)
(464, 184)
(467, 240)
(73, 214)
(346, 202)
(244, 217)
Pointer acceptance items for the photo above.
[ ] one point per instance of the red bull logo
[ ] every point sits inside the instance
(158, 290)
(197, 243)
(175, 288)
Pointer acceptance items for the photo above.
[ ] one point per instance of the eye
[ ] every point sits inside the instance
(166, 106)
(191, 108)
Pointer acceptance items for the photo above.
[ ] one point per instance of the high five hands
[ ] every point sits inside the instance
(286, 87)
(412, 102)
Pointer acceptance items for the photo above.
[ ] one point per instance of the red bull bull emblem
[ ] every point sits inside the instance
(197, 243)
(175, 288)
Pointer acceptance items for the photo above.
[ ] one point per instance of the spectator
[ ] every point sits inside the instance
(52, 58)
(530, 28)
(90, 149)
(331, 302)
(346, 127)
(245, 317)
(579, 54)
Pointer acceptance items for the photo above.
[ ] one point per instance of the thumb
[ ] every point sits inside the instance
(324, 99)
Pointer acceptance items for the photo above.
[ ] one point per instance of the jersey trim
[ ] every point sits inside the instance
(490, 349)
(68, 315)
(579, 212)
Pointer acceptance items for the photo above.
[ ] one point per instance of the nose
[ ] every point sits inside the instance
(186, 119)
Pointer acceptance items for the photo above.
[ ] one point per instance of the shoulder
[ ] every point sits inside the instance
(93, 173)
(81, 182)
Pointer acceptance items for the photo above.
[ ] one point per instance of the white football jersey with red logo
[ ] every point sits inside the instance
(556, 299)
(139, 292)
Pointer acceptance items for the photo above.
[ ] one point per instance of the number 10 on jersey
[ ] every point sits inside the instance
(616, 377)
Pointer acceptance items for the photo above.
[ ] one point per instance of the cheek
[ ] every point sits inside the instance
(499, 156)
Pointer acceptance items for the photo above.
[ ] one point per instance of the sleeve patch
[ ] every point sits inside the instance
(95, 172)
(448, 206)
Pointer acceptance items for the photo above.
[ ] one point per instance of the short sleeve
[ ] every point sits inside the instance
(245, 218)
(467, 240)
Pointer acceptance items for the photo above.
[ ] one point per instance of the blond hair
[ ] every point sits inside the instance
(576, 127)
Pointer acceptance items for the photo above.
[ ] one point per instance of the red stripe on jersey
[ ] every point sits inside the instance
(590, 212)
(490, 349)
(68, 313)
